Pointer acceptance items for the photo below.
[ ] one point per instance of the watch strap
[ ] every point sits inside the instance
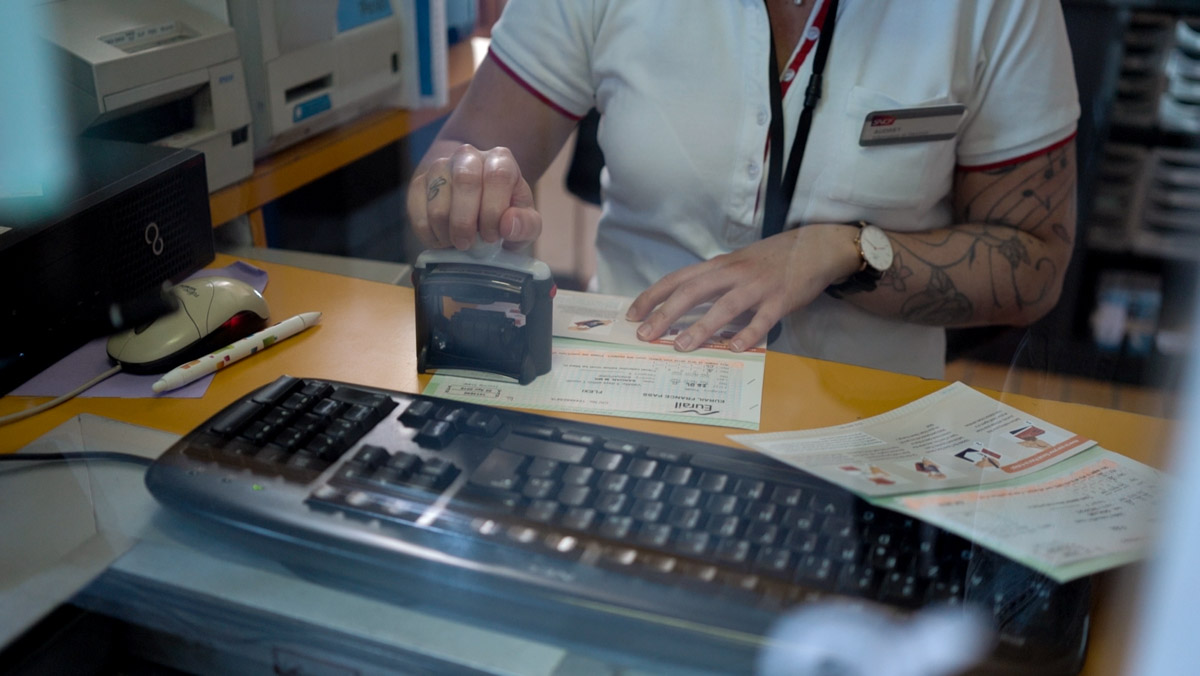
(865, 279)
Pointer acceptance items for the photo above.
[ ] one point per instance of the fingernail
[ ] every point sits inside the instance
(683, 342)
(735, 345)
(462, 243)
(643, 331)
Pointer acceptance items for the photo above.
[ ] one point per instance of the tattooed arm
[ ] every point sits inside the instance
(1003, 263)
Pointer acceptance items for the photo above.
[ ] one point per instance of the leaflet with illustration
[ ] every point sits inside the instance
(961, 460)
(952, 438)
(599, 366)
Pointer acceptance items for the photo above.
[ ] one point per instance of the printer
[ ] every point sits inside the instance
(154, 71)
(314, 64)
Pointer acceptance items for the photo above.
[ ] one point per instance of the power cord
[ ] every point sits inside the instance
(14, 417)
(77, 455)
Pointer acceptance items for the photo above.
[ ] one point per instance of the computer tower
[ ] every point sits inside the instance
(80, 266)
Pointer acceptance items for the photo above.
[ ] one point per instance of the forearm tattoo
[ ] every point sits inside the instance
(1006, 214)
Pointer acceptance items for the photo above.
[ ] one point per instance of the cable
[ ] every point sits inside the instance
(14, 417)
(77, 455)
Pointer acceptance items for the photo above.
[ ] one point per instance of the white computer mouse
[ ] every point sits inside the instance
(213, 312)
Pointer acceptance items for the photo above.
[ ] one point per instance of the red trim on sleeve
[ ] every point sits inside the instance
(1018, 160)
(529, 88)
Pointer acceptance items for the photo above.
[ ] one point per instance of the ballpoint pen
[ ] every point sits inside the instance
(210, 363)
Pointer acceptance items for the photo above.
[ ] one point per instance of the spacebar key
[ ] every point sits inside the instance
(543, 448)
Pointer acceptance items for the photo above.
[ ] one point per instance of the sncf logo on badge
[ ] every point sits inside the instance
(883, 120)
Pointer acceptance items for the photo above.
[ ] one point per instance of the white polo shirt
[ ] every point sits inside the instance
(682, 86)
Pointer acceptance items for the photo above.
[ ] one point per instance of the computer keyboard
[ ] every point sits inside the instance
(667, 550)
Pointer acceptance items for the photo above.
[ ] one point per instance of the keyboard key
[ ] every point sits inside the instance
(372, 456)
(542, 468)
(230, 421)
(613, 482)
(441, 470)
(578, 475)
(435, 434)
(579, 439)
(327, 408)
(315, 389)
(621, 447)
(542, 510)
(521, 443)
(298, 401)
(685, 496)
(278, 416)
(762, 533)
(654, 534)
(713, 482)
(788, 496)
(276, 391)
(723, 525)
(607, 462)
(732, 550)
(536, 431)
(684, 518)
(454, 415)
(721, 504)
(538, 489)
(616, 526)
(642, 468)
(666, 455)
(574, 496)
(417, 413)
(579, 518)
(693, 543)
(483, 423)
(763, 512)
(750, 489)
(647, 510)
(774, 559)
(498, 470)
(612, 503)
(649, 489)
(405, 462)
(677, 475)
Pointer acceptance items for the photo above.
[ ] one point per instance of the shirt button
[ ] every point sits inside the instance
(752, 170)
(789, 75)
(763, 116)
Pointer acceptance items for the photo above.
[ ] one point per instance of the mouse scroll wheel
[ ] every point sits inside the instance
(137, 330)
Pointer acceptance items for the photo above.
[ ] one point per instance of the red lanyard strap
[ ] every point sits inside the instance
(781, 185)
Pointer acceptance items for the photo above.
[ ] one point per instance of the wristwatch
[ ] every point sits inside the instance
(875, 251)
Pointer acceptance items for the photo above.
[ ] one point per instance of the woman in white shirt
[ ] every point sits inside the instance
(947, 125)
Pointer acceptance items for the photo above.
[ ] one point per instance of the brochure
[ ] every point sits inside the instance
(961, 460)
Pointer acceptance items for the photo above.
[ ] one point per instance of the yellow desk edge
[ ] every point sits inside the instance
(366, 336)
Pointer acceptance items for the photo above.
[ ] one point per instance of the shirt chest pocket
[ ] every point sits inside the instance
(901, 176)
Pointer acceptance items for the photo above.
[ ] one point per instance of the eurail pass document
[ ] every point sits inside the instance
(1030, 490)
(599, 366)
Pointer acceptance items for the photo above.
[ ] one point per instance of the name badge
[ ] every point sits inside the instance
(911, 125)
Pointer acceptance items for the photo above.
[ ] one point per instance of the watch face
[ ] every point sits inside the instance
(876, 247)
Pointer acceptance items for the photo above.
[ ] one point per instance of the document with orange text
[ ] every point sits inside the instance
(599, 366)
(961, 460)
